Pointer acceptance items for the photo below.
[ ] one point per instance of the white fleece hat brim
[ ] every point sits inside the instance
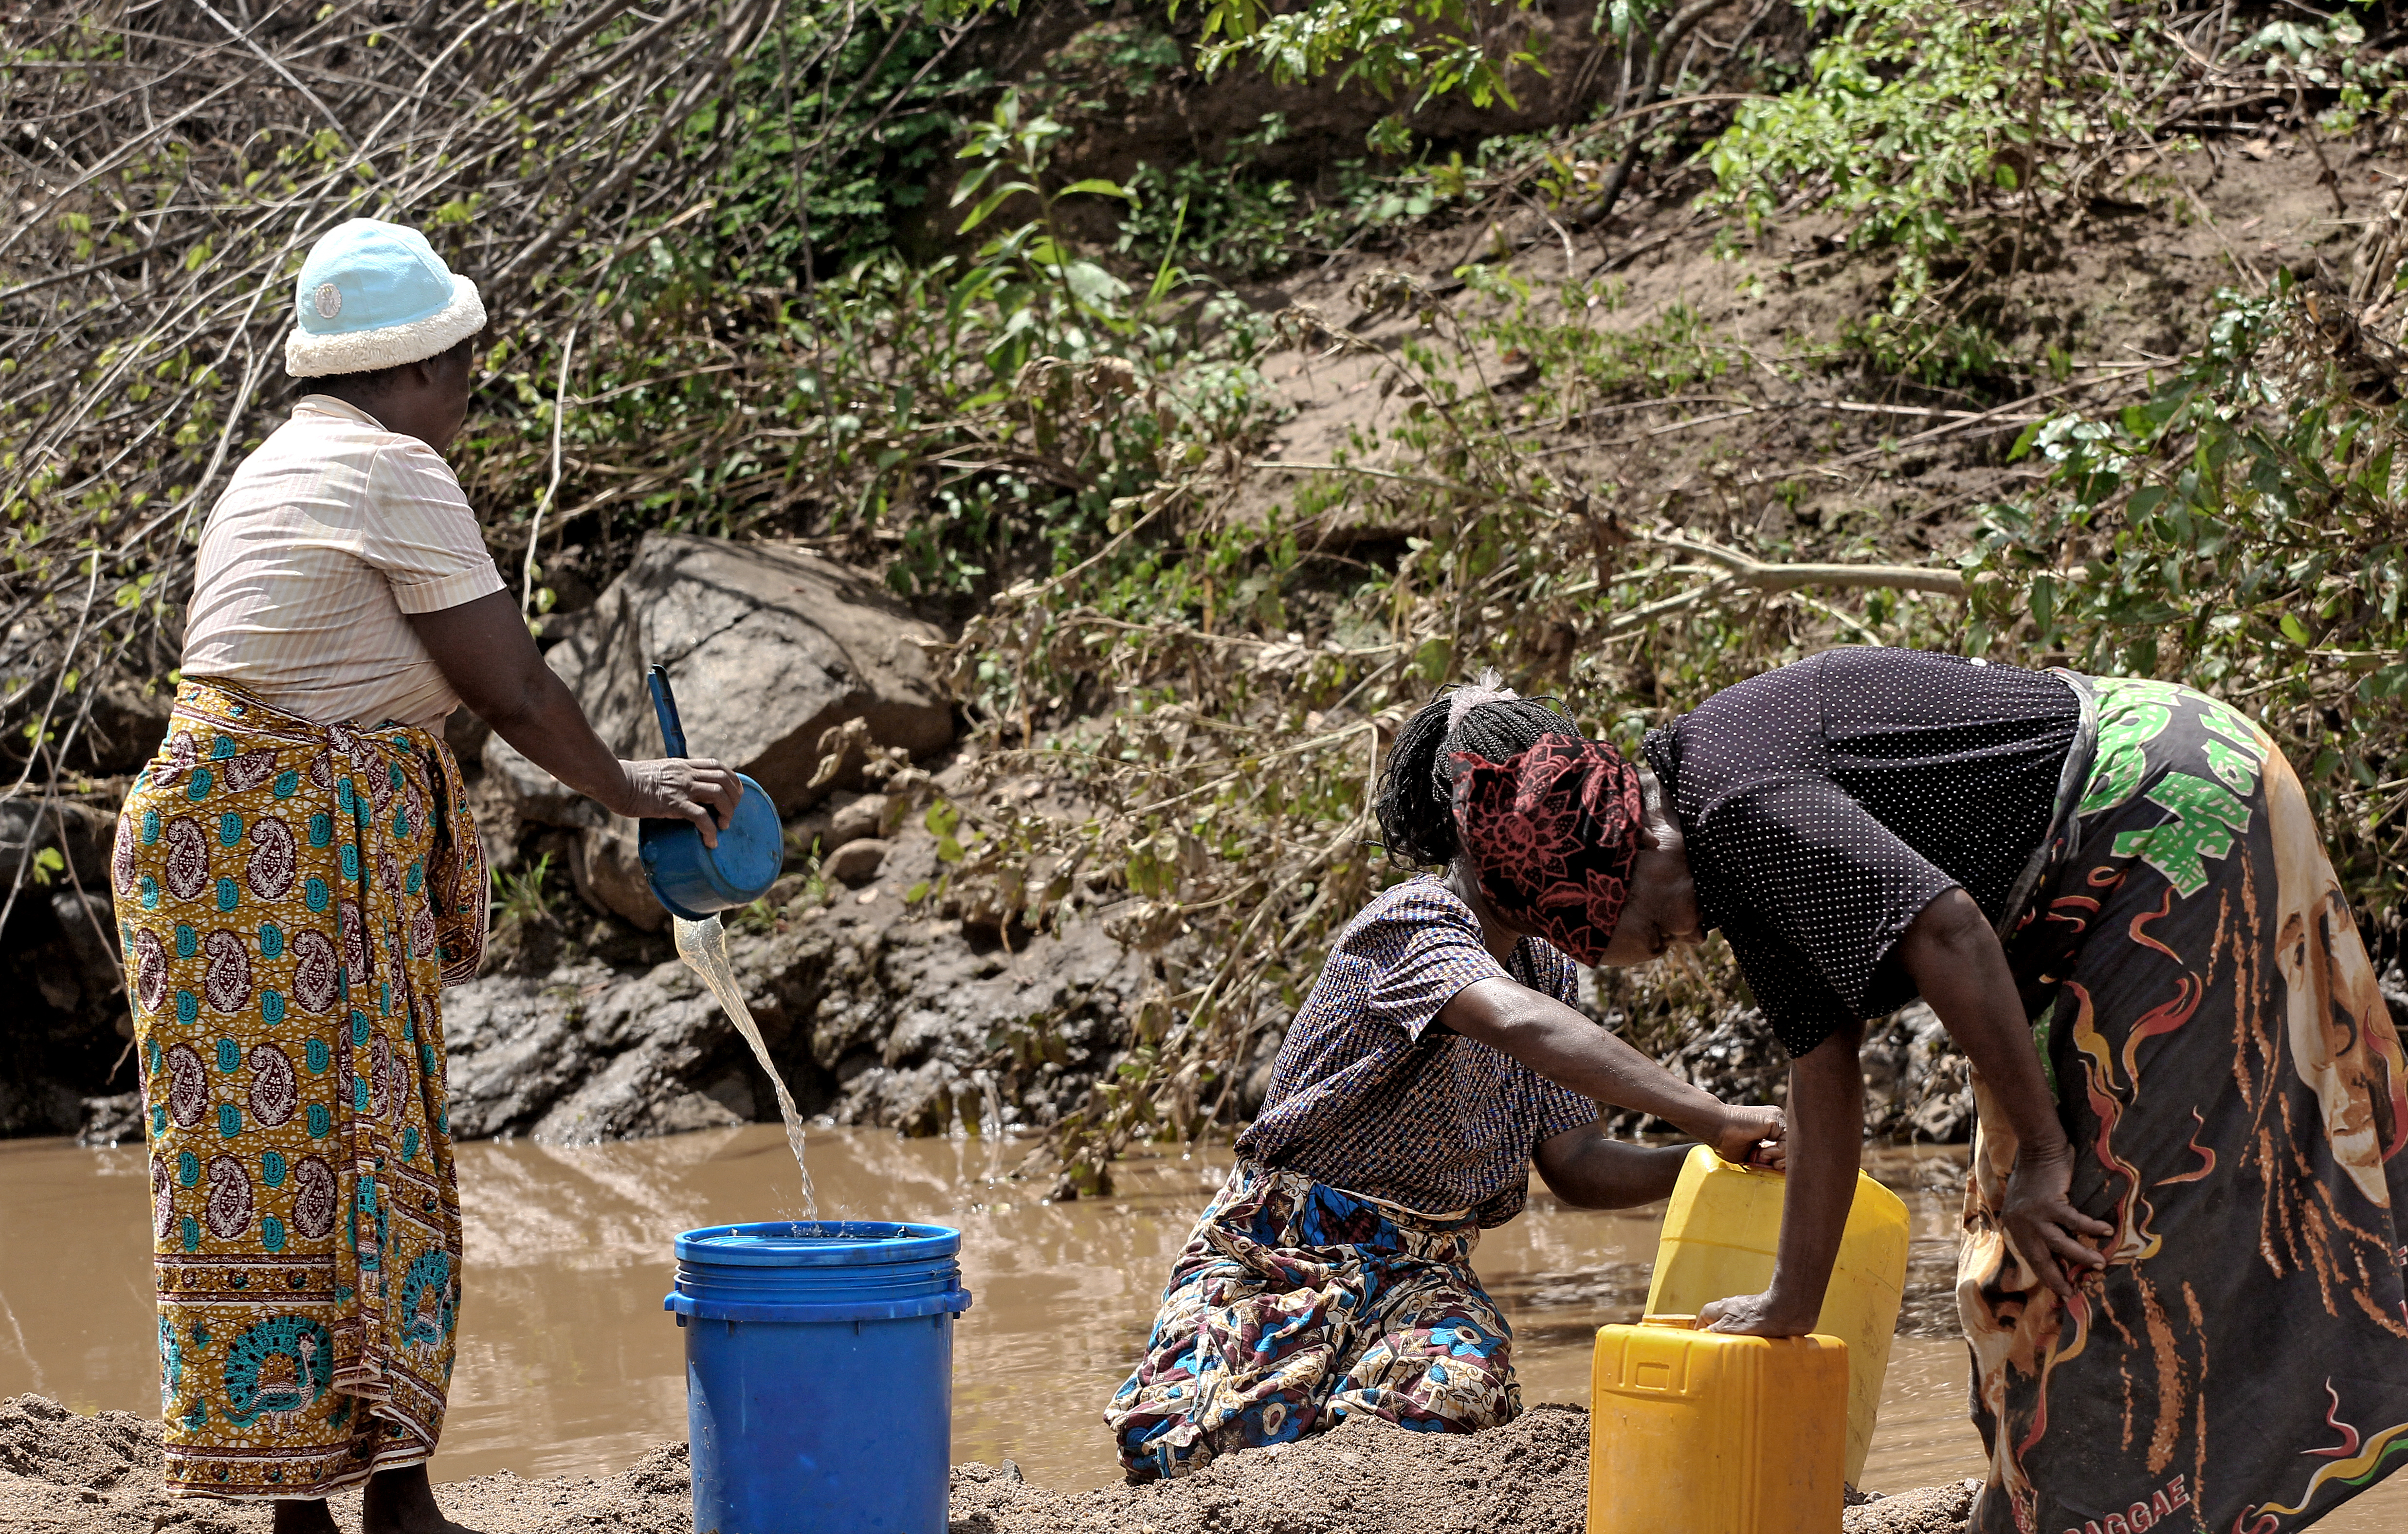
(308, 356)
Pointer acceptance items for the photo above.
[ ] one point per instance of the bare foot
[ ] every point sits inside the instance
(401, 1503)
(304, 1518)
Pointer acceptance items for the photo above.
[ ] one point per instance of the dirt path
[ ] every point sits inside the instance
(65, 1474)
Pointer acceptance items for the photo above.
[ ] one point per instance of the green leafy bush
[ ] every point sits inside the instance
(2243, 532)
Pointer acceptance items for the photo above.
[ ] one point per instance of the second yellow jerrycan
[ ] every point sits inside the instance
(1698, 1432)
(1720, 1233)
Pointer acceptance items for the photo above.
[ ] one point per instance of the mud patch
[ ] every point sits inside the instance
(1366, 1477)
(61, 1472)
(65, 1474)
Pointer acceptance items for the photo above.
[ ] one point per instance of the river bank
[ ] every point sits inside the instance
(64, 1473)
(570, 1395)
(568, 1368)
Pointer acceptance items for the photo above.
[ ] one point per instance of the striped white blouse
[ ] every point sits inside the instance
(327, 536)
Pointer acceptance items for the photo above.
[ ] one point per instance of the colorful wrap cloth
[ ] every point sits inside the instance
(1295, 1305)
(2237, 1099)
(292, 898)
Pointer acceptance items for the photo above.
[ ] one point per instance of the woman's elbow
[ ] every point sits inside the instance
(1950, 930)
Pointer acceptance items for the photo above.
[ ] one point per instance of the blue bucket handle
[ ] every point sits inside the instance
(665, 705)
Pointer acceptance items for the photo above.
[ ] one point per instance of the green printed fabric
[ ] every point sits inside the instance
(2237, 1098)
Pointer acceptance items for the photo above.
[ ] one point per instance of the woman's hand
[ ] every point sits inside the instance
(1752, 1316)
(1744, 1135)
(483, 649)
(695, 789)
(2041, 1223)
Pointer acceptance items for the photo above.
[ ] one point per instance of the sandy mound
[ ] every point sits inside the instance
(1362, 1477)
(61, 1473)
(1366, 1477)
(1933, 1509)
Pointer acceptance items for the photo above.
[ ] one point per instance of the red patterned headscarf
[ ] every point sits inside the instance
(1552, 835)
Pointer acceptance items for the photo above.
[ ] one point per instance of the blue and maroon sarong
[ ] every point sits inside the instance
(1295, 1305)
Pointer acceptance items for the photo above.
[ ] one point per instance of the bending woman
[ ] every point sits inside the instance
(297, 877)
(1438, 1056)
(2181, 1267)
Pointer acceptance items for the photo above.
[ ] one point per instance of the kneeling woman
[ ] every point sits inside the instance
(1436, 1059)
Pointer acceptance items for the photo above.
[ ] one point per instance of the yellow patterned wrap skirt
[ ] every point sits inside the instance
(292, 897)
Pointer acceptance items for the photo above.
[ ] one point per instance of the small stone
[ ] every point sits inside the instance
(857, 862)
(862, 820)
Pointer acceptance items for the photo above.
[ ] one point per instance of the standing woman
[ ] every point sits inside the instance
(2181, 1267)
(297, 877)
(1437, 1060)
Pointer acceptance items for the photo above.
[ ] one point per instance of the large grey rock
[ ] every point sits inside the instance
(606, 866)
(769, 649)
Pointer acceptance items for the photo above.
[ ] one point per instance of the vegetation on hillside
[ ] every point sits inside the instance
(849, 273)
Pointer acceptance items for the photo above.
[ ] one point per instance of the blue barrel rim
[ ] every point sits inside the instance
(953, 1302)
(816, 1243)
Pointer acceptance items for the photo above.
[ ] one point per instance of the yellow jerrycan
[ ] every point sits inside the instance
(1720, 1233)
(1697, 1433)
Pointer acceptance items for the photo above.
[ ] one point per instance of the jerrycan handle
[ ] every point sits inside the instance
(665, 705)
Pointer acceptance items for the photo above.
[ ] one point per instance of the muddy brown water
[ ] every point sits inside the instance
(568, 1367)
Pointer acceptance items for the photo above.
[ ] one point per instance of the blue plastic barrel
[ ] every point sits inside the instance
(819, 1374)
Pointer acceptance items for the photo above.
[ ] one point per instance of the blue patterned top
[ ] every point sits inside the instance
(1372, 1095)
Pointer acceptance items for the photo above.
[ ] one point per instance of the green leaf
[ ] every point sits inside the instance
(1432, 661)
(994, 200)
(1092, 284)
(1098, 187)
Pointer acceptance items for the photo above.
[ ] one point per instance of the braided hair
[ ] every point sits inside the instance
(1415, 799)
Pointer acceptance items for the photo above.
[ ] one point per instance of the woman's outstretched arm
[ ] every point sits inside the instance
(1588, 1169)
(1569, 1050)
(1827, 1127)
(1958, 967)
(483, 651)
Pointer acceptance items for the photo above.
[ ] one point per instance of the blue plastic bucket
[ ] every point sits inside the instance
(819, 1374)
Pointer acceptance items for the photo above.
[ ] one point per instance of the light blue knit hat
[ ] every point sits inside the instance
(375, 295)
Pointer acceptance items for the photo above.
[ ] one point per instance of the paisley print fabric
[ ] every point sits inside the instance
(292, 898)
(2234, 1088)
(1295, 1305)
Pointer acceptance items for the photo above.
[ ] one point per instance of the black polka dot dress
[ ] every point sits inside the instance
(1826, 803)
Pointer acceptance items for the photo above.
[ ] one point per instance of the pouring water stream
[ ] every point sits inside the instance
(703, 946)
